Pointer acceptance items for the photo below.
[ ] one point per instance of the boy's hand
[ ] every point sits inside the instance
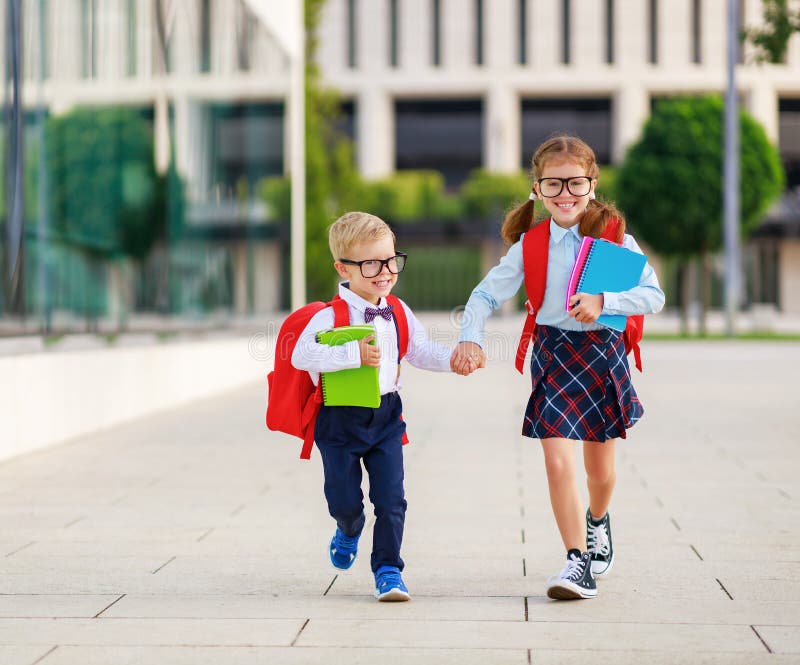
(370, 353)
(586, 308)
(466, 358)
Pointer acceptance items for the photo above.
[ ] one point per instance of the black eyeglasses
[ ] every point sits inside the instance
(374, 267)
(578, 186)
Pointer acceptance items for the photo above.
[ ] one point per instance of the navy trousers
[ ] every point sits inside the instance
(345, 436)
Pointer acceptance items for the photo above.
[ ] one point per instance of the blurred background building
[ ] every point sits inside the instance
(146, 143)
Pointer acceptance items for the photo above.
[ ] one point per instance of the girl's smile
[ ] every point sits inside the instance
(565, 208)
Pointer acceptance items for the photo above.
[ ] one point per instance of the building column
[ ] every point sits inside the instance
(763, 105)
(502, 134)
(375, 133)
(631, 108)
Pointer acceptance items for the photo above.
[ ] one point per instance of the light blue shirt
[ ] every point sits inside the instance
(503, 281)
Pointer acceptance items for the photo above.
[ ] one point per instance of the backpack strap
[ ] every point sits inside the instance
(611, 230)
(341, 313)
(633, 328)
(401, 325)
(535, 248)
(341, 317)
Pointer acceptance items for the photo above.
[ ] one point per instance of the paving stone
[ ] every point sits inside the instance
(161, 632)
(199, 537)
(189, 655)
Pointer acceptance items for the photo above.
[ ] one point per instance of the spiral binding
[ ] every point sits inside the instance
(583, 267)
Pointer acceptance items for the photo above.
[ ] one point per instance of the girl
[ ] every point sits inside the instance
(581, 388)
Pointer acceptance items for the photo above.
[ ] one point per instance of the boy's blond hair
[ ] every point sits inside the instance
(353, 228)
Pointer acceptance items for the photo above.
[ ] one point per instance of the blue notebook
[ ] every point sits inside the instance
(605, 266)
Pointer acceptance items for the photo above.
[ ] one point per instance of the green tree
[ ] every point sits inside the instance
(780, 22)
(105, 194)
(106, 199)
(332, 182)
(670, 184)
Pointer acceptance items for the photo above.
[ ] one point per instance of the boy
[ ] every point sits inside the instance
(364, 256)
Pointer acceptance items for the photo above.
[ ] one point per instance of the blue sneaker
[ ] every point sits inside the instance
(389, 585)
(343, 550)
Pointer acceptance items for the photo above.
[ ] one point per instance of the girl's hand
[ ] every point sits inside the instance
(466, 358)
(586, 308)
(370, 353)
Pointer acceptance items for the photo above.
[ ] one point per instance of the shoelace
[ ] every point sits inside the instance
(573, 570)
(345, 542)
(389, 577)
(597, 538)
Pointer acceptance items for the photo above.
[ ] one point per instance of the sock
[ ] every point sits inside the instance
(594, 520)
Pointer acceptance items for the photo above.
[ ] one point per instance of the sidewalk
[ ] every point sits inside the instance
(198, 537)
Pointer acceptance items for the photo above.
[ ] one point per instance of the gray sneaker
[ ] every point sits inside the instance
(598, 541)
(575, 579)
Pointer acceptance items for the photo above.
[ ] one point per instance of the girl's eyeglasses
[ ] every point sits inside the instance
(578, 186)
(374, 267)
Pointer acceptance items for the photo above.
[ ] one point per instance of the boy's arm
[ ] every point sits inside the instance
(311, 356)
(424, 352)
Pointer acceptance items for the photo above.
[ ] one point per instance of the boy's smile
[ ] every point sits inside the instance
(371, 289)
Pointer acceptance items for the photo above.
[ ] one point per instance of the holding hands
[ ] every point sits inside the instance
(466, 358)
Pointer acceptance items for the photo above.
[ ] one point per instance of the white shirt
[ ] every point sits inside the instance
(314, 358)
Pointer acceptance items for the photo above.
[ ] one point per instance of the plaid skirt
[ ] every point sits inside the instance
(581, 386)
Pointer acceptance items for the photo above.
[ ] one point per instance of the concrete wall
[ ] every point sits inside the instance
(52, 396)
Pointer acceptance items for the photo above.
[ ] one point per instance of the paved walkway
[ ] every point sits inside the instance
(196, 536)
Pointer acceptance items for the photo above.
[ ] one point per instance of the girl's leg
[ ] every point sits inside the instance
(559, 461)
(598, 459)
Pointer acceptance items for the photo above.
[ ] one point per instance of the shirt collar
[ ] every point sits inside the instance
(354, 300)
(557, 233)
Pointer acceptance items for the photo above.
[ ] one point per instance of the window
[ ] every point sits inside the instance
(89, 38)
(132, 50)
(394, 45)
(589, 118)
(522, 22)
(351, 34)
(697, 31)
(437, 32)
(610, 32)
(205, 36)
(653, 31)
(742, 27)
(479, 32)
(245, 31)
(789, 139)
(247, 144)
(444, 135)
(565, 31)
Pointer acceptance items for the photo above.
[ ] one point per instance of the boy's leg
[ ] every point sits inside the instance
(598, 459)
(559, 460)
(343, 493)
(384, 464)
(341, 463)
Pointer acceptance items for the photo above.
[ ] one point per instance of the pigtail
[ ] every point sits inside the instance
(517, 221)
(596, 216)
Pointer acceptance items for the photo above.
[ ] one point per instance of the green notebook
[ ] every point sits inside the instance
(350, 387)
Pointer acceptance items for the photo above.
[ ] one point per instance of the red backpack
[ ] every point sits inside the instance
(294, 401)
(535, 247)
